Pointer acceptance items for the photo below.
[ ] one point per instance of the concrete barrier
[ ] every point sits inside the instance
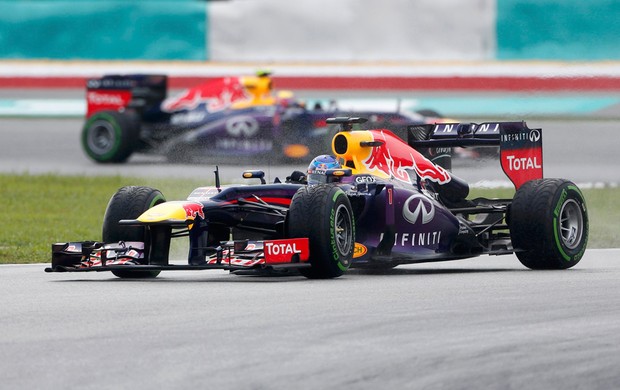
(310, 30)
(103, 29)
(351, 30)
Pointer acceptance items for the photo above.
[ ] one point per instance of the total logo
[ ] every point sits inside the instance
(275, 249)
(105, 98)
(418, 209)
(522, 163)
(242, 126)
(282, 251)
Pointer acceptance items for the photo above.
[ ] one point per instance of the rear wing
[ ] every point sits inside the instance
(520, 147)
(114, 92)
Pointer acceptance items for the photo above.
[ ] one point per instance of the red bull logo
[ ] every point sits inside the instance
(429, 171)
(394, 158)
(192, 210)
(217, 95)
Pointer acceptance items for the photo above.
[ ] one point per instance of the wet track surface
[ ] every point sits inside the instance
(479, 323)
(579, 150)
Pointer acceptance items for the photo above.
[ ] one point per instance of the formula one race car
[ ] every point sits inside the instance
(235, 116)
(378, 203)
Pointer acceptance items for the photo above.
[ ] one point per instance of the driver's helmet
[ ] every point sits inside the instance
(319, 166)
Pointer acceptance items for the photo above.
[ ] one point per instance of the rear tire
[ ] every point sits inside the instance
(128, 203)
(548, 223)
(111, 136)
(323, 213)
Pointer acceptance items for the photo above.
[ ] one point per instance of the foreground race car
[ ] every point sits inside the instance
(238, 116)
(380, 202)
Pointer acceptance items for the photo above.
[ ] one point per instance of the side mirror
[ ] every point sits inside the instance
(255, 174)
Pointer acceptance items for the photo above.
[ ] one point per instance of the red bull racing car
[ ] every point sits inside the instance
(233, 116)
(377, 202)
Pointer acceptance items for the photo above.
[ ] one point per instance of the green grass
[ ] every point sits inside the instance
(40, 210)
(603, 213)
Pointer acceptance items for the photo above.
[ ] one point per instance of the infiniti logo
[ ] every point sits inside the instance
(534, 135)
(242, 126)
(423, 209)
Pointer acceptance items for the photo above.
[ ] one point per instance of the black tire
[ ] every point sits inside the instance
(128, 203)
(548, 223)
(323, 213)
(111, 136)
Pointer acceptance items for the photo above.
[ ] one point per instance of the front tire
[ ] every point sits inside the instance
(110, 136)
(128, 203)
(323, 213)
(549, 224)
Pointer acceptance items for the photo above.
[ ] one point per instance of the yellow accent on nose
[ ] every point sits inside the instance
(167, 211)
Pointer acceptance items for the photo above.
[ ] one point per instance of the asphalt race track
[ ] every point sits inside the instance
(579, 150)
(480, 323)
(486, 323)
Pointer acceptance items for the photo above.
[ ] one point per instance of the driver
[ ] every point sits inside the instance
(319, 166)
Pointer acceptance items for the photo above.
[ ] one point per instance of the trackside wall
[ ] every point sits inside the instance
(558, 29)
(350, 30)
(309, 30)
(103, 29)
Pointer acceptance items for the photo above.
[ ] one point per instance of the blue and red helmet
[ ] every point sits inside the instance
(318, 168)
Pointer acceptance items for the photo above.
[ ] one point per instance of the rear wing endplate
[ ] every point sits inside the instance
(115, 92)
(520, 147)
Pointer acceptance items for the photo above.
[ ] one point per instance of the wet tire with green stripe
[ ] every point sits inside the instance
(111, 136)
(548, 222)
(129, 203)
(323, 213)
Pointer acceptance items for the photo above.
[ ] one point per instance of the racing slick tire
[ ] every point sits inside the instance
(128, 203)
(323, 213)
(111, 136)
(548, 223)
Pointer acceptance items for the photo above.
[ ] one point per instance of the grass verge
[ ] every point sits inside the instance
(38, 210)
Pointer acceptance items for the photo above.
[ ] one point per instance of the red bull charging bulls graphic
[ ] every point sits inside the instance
(216, 95)
(193, 210)
(398, 158)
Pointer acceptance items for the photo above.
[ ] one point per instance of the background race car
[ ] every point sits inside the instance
(233, 116)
